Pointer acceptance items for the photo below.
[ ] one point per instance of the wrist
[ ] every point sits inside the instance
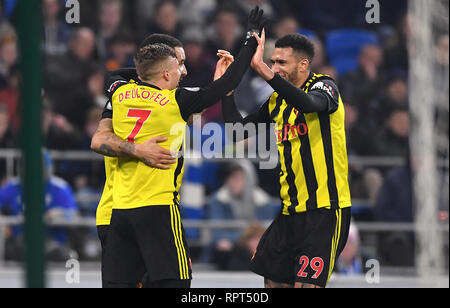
(264, 71)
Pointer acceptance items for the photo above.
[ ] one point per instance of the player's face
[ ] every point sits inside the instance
(181, 57)
(288, 64)
(174, 72)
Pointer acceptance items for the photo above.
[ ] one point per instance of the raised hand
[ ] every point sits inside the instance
(259, 54)
(225, 60)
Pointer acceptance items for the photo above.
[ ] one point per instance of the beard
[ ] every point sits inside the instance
(293, 77)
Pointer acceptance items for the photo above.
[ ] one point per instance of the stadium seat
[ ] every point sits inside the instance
(343, 47)
(309, 33)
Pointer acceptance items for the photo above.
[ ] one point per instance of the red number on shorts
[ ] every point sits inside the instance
(317, 266)
(303, 260)
(142, 116)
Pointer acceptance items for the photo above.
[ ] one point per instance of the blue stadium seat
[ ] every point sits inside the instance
(343, 47)
(309, 33)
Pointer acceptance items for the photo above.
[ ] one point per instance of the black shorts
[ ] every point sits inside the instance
(303, 247)
(148, 240)
(102, 232)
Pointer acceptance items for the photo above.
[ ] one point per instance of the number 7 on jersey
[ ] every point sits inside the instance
(142, 115)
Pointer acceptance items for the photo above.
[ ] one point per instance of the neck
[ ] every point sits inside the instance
(159, 83)
(303, 78)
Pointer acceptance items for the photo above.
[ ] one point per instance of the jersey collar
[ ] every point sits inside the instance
(141, 83)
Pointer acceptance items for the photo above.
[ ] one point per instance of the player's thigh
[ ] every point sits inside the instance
(162, 242)
(123, 263)
(319, 251)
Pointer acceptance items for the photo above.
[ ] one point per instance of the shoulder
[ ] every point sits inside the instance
(59, 183)
(325, 84)
(13, 184)
(112, 83)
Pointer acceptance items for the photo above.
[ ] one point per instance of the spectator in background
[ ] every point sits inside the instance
(196, 12)
(199, 63)
(110, 24)
(319, 60)
(122, 50)
(58, 133)
(59, 205)
(5, 25)
(67, 76)
(245, 6)
(363, 85)
(244, 248)
(225, 32)
(96, 82)
(238, 199)
(9, 97)
(396, 95)
(285, 25)
(8, 57)
(350, 261)
(396, 47)
(7, 138)
(393, 138)
(89, 175)
(165, 19)
(394, 204)
(56, 32)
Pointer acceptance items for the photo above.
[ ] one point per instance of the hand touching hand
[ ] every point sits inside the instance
(153, 155)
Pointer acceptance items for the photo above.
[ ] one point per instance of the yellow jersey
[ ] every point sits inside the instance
(105, 206)
(143, 111)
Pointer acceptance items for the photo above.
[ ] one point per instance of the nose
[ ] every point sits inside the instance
(276, 68)
(184, 72)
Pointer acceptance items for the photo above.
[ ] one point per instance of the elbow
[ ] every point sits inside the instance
(95, 143)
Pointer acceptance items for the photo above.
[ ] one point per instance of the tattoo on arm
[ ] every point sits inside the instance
(109, 144)
(106, 150)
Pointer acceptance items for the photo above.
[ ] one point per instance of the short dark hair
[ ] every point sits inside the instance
(159, 38)
(299, 43)
(147, 57)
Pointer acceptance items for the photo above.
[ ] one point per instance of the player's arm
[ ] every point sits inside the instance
(314, 101)
(193, 101)
(232, 115)
(107, 143)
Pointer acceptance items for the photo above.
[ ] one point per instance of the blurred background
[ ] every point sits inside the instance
(227, 204)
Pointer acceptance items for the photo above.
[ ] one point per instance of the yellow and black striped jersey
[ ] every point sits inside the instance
(311, 145)
(312, 151)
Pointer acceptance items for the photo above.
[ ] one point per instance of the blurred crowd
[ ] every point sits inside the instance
(372, 76)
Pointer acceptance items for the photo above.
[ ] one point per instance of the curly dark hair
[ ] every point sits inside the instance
(299, 43)
(160, 38)
(147, 58)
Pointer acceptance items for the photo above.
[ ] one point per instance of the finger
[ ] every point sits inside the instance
(258, 39)
(161, 166)
(168, 162)
(228, 58)
(159, 139)
(264, 23)
(223, 51)
(260, 14)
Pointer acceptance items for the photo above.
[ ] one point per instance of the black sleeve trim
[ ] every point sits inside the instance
(297, 98)
(196, 100)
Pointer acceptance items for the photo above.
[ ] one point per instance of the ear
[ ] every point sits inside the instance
(166, 75)
(304, 65)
